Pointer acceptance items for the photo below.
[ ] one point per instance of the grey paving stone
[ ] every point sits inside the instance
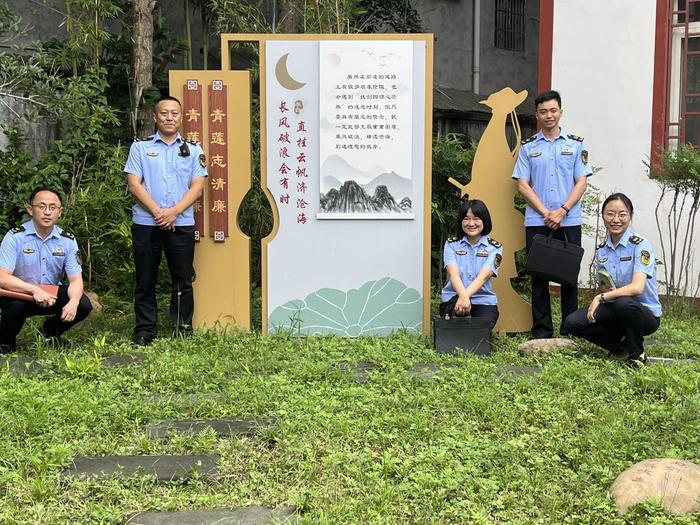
(667, 361)
(359, 371)
(515, 372)
(651, 341)
(248, 426)
(187, 399)
(121, 360)
(253, 515)
(21, 365)
(428, 370)
(164, 468)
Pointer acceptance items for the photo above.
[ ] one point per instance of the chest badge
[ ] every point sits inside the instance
(461, 252)
(482, 254)
(626, 258)
(59, 253)
(535, 154)
(603, 259)
(28, 250)
(567, 152)
(152, 153)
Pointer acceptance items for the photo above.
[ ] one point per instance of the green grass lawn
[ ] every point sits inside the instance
(469, 447)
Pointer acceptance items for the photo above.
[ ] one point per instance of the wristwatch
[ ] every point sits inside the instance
(563, 206)
(602, 297)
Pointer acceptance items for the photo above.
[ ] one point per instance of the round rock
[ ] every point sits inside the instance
(674, 482)
(544, 346)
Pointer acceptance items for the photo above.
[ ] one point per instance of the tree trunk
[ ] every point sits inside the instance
(288, 16)
(142, 63)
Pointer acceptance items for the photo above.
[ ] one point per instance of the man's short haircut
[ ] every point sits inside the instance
(547, 95)
(165, 97)
(45, 188)
(479, 210)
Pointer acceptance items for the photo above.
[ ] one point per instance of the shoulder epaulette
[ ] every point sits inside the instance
(142, 139)
(17, 229)
(494, 242)
(602, 244)
(635, 240)
(452, 239)
(66, 233)
(525, 141)
(575, 137)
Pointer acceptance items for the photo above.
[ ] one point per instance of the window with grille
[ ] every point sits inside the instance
(510, 25)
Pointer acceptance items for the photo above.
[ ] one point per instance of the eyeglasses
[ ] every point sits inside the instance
(610, 215)
(43, 207)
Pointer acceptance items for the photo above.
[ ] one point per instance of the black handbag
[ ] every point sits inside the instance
(555, 260)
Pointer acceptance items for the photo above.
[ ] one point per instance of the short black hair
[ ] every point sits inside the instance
(618, 197)
(480, 210)
(45, 188)
(547, 95)
(165, 97)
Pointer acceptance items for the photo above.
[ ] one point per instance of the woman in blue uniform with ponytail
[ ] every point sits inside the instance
(627, 307)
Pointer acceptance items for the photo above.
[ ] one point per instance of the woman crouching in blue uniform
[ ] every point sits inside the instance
(471, 260)
(628, 306)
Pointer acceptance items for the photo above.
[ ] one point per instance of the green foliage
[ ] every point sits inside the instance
(450, 159)
(470, 446)
(388, 16)
(678, 175)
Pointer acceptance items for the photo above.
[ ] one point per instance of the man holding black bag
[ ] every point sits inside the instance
(552, 171)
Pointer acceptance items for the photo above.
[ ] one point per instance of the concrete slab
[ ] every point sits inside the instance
(359, 371)
(248, 426)
(21, 365)
(253, 515)
(428, 370)
(164, 468)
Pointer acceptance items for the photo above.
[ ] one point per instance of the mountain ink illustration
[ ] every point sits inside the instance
(347, 190)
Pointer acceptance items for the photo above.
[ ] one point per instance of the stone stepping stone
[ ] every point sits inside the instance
(511, 373)
(544, 346)
(673, 482)
(253, 515)
(122, 360)
(187, 399)
(650, 341)
(164, 468)
(249, 426)
(21, 365)
(428, 370)
(667, 361)
(359, 371)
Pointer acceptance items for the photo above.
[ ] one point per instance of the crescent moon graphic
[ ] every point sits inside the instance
(283, 76)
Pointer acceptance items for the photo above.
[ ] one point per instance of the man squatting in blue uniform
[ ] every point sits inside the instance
(552, 171)
(39, 252)
(166, 175)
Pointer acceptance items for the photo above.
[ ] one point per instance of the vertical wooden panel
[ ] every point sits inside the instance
(218, 161)
(192, 127)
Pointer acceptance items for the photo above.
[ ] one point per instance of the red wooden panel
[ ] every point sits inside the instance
(192, 126)
(218, 161)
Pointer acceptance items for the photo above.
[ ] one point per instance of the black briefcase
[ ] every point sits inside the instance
(461, 335)
(555, 260)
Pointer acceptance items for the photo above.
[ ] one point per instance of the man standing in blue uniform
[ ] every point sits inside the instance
(165, 175)
(552, 171)
(39, 252)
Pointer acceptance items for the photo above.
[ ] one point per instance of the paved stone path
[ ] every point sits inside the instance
(164, 468)
(359, 371)
(253, 515)
(428, 370)
(249, 426)
(21, 365)
(121, 360)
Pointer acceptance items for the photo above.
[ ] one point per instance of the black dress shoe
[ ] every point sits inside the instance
(141, 341)
(636, 363)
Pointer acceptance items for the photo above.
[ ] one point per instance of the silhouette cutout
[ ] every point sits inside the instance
(491, 182)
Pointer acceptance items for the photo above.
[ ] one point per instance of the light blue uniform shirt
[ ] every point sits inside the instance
(166, 175)
(552, 168)
(36, 260)
(632, 254)
(470, 260)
